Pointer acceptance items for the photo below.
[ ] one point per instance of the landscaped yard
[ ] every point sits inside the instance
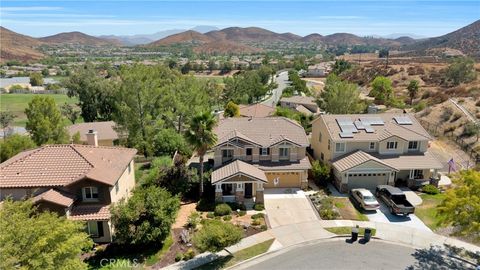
(335, 207)
(427, 211)
(347, 210)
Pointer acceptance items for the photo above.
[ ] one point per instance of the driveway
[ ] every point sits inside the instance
(384, 215)
(288, 206)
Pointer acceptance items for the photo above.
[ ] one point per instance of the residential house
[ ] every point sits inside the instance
(256, 110)
(303, 104)
(106, 133)
(319, 70)
(80, 182)
(256, 153)
(367, 150)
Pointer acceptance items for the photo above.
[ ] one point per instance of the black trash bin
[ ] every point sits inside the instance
(367, 235)
(354, 234)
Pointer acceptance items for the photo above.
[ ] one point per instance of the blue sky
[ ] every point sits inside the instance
(425, 18)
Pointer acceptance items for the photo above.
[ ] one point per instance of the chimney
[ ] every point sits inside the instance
(92, 138)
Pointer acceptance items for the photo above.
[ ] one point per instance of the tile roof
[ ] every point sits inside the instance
(55, 196)
(355, 159)
(235, 168)
(302, 164)
(299, 100)
(105, 130)
(60, 165)
(264, 131)
(415, 131)
(90, 212)
(303, 109)
(256, 110)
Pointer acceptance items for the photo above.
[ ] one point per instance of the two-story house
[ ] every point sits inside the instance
(76, 181)
(256, 153)
(366, 150)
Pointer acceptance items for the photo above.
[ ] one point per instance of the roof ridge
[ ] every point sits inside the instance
(76, 151)
(402, 126)
(22, 158)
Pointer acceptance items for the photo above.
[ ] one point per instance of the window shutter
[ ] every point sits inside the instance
(268, 151)
(100, 228)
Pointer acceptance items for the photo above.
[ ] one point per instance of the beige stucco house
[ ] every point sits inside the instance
(76, 181)
(303, 104)
(106, 133)
(366, 150)
(256, 153)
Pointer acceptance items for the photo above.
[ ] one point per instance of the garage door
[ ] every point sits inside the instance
(367, 180)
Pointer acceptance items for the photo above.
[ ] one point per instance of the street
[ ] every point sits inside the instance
(282, 82)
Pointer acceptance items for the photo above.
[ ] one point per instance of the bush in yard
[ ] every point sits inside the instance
(222, 209)
(320, 173)
(258, 215)
(227, 218)
(234, 206)
(189, 254)
(255, 222)
(326, 210)
(193, 220)
(263, 227)
(216, 235)
(146, 217)
(178, 257)
(242, 213)
(430, 189)
(259, 207)
(210, 215)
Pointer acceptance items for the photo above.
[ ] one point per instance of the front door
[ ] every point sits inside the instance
(248, 190)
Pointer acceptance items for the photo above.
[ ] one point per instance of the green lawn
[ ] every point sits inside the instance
(427, 211)
(239, 256)
(16, 103)
(348, 230)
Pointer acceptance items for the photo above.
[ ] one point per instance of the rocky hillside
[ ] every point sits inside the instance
(19, 47)
(78, 38)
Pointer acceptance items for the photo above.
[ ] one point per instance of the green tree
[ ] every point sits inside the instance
(461, 207)
(340, 66)
(382, 89)
(13, 145)
(167, 141)
(231, 110)
(340, 97)
(76, 138)
(36, 79)
(413, 88)
(71, 112)
(40, 240)
(45, 122)
(244, 88)
(216, 235)
(45, 72)
(320, 173)
(6, 119)
(202, 137)
(461, 70)
(146, 217)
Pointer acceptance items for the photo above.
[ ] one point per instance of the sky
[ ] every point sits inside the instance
(364, 18)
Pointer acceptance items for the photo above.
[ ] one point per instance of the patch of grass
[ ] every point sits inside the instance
(154, 258)
(427, 211)
(339, 204)
(348, 210)
(239, 256)
(348, 230)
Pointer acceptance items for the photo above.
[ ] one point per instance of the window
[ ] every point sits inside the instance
(413, 145)
(392, 145)
(321, 156)
(249, 151)
(130, 167)
(116, 187)
(227, 153)
(265, 151)
(90, 193)
(328, 144)
(372, 146)
(320, 137)
(284, 152)
(95, 228)
(417, 174)
(339, 147)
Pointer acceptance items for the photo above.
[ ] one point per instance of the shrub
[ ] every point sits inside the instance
(258, 215)
(234, 206)
(227, 218)
(205, 204)
(193, 220)
(326, 210)
(178, 257)
(420, 106)
(210, 215)
(263, 227)
(216, 235)
(471, 129)
(222, 209)
(189, 254)
(259, 207)
(255, 222)
(430, 189)
(447, 114)
(242, 213)
(320, 173)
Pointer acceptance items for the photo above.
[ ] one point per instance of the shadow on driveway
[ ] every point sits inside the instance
(444, 258)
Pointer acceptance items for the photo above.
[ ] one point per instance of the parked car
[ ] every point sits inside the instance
(364, 198)
(395, 200)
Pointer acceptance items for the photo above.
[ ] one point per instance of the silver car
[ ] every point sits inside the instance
(364, 198)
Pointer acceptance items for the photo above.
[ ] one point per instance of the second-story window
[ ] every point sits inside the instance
(320, 137)
(372, 146)
(90, 193)
(413, 145)
(116, 187)
(265, 151)
(339, 147)
(249, 151)
(328, 144)
(392, 145)
(284, 152)
(227, 153)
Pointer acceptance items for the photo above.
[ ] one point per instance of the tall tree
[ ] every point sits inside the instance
(36, 79)
(341, 66)
(382, 89)
(45, 122)
(6, 119)
(70, 112)
(40, 240)
(340, 97)
(202, 137)
(13, 145)
(231, 110)
(413, 88)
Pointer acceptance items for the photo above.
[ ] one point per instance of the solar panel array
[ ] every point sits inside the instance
(349, 127)
(403, 120)
(372, 121)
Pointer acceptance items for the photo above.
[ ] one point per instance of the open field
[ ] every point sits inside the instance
(16, 103)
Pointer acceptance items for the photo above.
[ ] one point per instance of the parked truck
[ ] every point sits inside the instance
(395, 200)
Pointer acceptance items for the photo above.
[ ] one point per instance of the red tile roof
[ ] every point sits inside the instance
(105, 130)
(90, 212)
(56, 197)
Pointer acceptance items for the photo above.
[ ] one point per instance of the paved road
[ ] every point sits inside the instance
(282, 81)
(338, 254)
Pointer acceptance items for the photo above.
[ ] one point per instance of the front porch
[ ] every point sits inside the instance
(414, 178)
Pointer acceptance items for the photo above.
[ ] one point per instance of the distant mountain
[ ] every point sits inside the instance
(251, 34)
(399, 35)
(204, 28)
(78, 38)
(14, 46)
(317, 38)
(465, 39)
(405, 40)
(189, 36)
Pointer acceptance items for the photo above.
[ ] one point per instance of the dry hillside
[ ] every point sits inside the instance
(19, 47)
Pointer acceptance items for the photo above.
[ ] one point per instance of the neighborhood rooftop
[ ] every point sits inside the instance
(300, 100)
(256, 110)
(104, 129)
(60, 165)
(265, 131)
(373, 127)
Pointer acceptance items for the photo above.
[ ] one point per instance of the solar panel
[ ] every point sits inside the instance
(403, 120)
(359, 124)
(344, 121)
(345, 135)
(372, 120)
(369, 129)
(346, 125)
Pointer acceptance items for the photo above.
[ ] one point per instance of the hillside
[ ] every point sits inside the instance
(19, 47)
(190, 36)
(465, 39)
(251, 34)
(314, 38)
(79, 38)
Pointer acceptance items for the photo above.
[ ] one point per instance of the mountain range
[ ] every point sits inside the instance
(15, 46)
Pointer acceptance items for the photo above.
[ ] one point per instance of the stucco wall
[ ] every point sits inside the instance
(320, 146)
(125, 184)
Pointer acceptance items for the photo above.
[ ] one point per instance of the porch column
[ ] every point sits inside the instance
(410, 176)
(259, 194)
(391, 180)
(218, 193)
(239, 195)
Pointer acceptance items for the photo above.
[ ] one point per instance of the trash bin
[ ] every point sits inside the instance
(354, 234)
(367, 235)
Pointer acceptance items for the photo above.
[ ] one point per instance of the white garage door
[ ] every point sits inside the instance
(367, 180)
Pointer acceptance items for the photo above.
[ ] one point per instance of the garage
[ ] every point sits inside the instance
(367, 180)
(283, 179)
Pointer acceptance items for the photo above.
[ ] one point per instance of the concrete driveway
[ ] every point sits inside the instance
(288, 206)
(384, 215)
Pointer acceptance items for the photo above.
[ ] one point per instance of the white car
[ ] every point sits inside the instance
(364, 198)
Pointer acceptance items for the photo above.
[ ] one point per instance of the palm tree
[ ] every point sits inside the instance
(201, 136)
(412, 90)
